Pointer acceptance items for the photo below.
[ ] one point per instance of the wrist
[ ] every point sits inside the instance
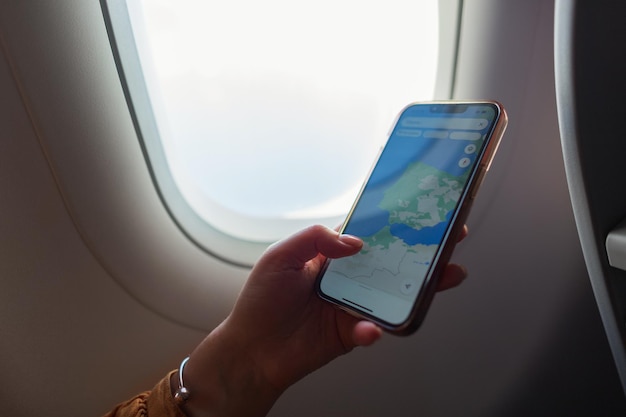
(224, 381)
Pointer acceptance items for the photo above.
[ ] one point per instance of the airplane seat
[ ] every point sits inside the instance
(590, 63)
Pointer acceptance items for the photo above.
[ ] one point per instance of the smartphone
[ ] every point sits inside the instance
(411, 209)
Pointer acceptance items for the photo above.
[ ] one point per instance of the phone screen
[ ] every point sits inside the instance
(405, 209)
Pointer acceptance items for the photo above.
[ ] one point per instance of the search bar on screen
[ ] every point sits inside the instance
(443, 123)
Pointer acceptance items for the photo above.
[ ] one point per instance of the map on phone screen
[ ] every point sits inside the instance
(406, 206)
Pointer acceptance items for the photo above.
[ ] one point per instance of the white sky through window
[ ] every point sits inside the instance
(271, 113)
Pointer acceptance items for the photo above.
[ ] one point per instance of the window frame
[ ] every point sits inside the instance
(224, 247)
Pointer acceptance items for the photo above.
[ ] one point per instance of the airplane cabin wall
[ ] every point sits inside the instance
(102, 294)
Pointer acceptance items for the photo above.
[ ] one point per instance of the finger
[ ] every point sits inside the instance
(365, 333)
(355, 332)
(453, 275)
(464, 233)
(297, 250)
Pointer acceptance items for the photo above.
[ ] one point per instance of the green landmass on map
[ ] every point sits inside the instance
(421, 197)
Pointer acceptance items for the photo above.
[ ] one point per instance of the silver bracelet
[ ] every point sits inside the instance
(182, 393)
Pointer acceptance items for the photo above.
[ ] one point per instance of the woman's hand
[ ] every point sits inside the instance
(279, 330)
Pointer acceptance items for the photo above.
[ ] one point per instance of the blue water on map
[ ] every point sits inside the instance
(425, 236)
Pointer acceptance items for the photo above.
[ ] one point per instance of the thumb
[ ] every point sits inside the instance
(296, 250)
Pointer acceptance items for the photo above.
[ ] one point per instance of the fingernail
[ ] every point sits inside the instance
(351, 240)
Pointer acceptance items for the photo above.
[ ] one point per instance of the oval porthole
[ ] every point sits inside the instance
(260, 118)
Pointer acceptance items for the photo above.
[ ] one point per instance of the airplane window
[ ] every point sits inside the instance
(266, 116)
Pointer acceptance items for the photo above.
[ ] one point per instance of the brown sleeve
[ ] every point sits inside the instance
(156, 403)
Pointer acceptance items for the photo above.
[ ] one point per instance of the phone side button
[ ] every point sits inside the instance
(480, 176)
